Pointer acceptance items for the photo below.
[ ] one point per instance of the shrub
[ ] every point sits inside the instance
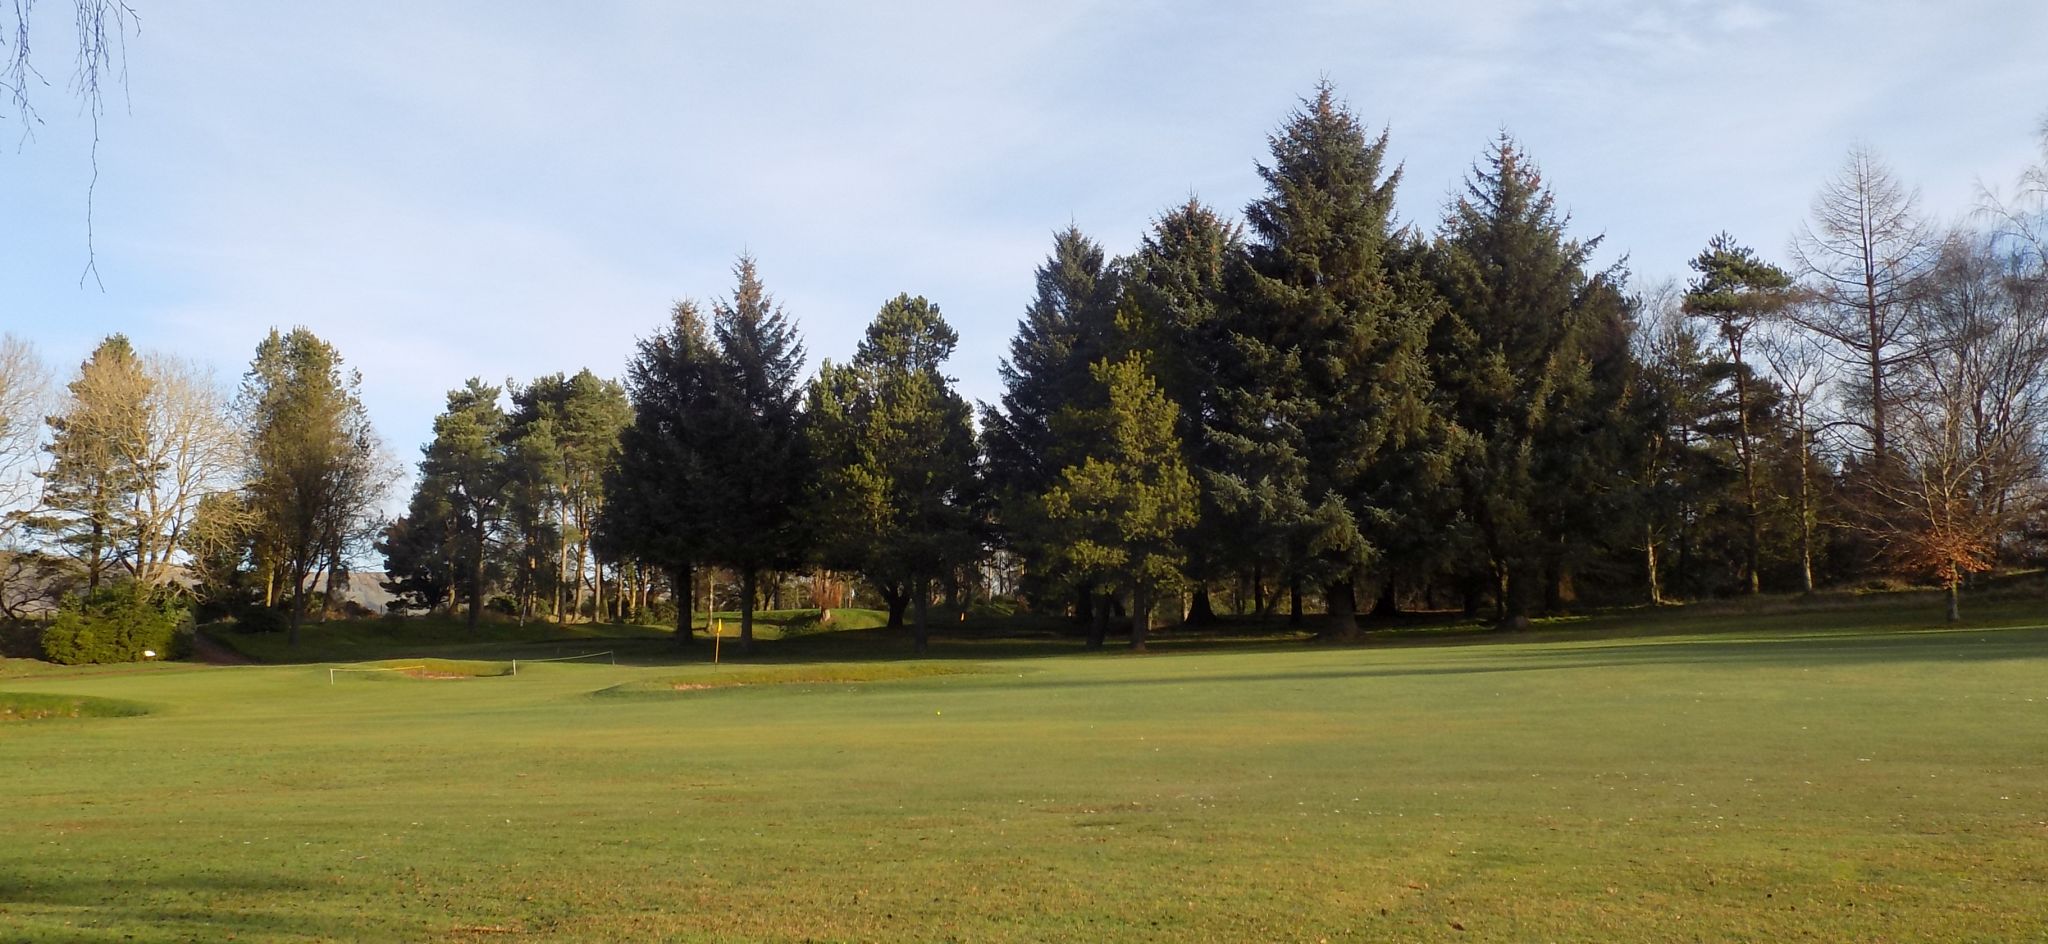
(256, 618)
(117, 625)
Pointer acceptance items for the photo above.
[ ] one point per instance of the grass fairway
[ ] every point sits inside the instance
(1766, 785)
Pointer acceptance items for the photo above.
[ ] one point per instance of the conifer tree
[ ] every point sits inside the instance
(1535, 362)
(1118, 514)
(1068, 323)
(1325, 410)
(566, 432)
(897, 484)
(1177, 279)
(466, 466)
(755, 485)
(1734, 291)
(95, 443)
(316, 469)
(658, 498)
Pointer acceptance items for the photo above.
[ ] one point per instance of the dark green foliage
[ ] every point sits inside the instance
(419, 550)
(754, 469)
(465, 469)
(1178, 282)
(1734, 291)
(656, 509)
(1069, 321)
(95, 453)
(562, 440)
(315, 474)
(118, 624)
(897, 488)
(1117, 513)
(1324, 416)
(1535, 362)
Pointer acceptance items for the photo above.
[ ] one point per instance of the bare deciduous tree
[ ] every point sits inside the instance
(24, 399)
(192, 447)
(1972, 412)
(1861, 255)
(1801, 371)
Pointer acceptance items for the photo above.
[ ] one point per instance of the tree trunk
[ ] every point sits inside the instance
(1258, 592)
(298, 607)
(1955, 603)
(684, 590)
(921, 587)
(1805, 513)
(1201, 612)
(1650, 565)
(1098, 622)
(896, 600)
(476, 578)
(747, 610)
(1294, 601)
(1387, 607)
(1342, 606)
(1141, 617)
(1084, 603)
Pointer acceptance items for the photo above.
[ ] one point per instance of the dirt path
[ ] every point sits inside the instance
(213, 653)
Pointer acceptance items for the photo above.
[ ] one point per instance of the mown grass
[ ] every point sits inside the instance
(715, 677)
(27, 706)
(1794, 775)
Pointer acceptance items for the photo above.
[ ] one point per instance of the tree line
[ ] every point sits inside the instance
(1316, 407)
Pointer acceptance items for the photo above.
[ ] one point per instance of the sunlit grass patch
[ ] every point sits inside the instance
(23, 706)
(423, 669)
(716, 677)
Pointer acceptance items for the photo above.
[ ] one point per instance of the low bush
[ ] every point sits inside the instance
(118, 625)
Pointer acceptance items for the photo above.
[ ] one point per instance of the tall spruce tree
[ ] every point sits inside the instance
(657, 491)
(756, 484)
(1534, 357)
(1178, 280)
(1068, 323)
(1325, 403)
(1120, 511)
(897, 488)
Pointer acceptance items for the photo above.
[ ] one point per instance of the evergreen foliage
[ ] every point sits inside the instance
(897, 491)
(1119, 513)
(1534, 361)
(1325, 411)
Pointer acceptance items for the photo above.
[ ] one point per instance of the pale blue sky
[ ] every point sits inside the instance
(519, 188)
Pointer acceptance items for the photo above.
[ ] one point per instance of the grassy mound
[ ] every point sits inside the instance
(23, 706)
(830, 674)
(424, 669)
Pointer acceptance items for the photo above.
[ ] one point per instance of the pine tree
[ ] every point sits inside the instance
(897, 485)
(96, 449)
(1325, 410)
(1119, 513)
(1734, 291)
(316, 470)
(1535, 361)
(466, 466)
(756, 484)
(1177, 279)
(658, 497)
(1069, 322)
(569, 427)
(420, 551)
